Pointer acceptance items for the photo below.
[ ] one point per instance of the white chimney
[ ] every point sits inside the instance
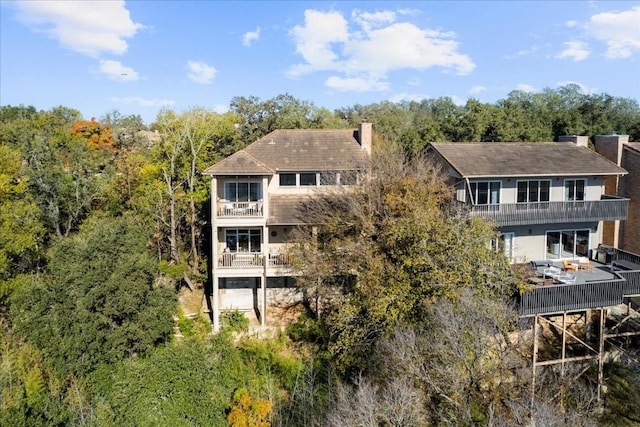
(365, 130)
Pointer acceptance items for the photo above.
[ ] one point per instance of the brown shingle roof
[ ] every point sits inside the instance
(240, 162)
(524, 159)
(296, 150)
(635, 146)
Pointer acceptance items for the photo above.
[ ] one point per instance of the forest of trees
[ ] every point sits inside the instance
(103, 230)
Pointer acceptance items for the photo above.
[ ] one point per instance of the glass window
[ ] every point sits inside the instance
(533, 191)
(308, 178)
(522, 191)
(328, 178)
(486, 193)
(574, 190)
(242, 191)
(287, 179)
(348, 177)
(243, 240)
(545, 190)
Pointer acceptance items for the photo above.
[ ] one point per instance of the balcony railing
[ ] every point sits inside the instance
(239, 209)
(251, 260)
(608, 208)
(582, 296)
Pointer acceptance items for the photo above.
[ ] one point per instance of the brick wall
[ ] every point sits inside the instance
(610, 147)
(630, 187)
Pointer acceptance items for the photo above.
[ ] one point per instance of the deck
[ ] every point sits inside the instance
(604, 286)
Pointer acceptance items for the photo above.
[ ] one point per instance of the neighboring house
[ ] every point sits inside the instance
(625, 154)
(547, 198)
(255, 193)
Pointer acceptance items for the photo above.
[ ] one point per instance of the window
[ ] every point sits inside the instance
(573, 190)
(287, 179)
(504, 244)
(244, 240)
(307, 179)
(533, 191)
(243, 191)
(485, 193)
(312, 179)
(348, 177)
(328, 178)
(567, 244)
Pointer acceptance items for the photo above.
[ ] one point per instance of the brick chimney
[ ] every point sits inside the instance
(579, 140)
(365, 130)
(610, 147)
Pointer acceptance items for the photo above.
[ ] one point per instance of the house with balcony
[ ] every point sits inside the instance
(255, 195)
(548, 199)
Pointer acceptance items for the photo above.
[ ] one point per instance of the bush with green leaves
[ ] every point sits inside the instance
(234, 320)
(98, 302)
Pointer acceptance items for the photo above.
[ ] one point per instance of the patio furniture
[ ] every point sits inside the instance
(567, 279)
(584, 264)
(540, 281)
(553, 272)
(541, 263)
(567, 266)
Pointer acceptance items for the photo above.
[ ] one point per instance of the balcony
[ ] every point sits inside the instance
(251, 260)
(239, 209)
(608, 208)
(606, 286)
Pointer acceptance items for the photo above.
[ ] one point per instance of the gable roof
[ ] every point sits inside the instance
(514, 159)
(295, 150)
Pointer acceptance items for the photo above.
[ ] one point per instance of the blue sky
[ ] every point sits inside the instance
(140, 56)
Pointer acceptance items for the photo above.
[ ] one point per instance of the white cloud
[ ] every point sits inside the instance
(314, 39)
(532, 49)
(201, 73)
(365, 56)
(398, 97)
(143, 102)
(619, 30)
(477, 89)
(250, 36)
(116, 71)
(458, 101)
(373, 20)
(90, 28)
(583, 88)
(356, 84)
(571, 24)
(403, 45)
(576, 50)
(526, 87)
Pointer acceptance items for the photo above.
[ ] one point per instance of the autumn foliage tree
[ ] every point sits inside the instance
(96, 135)
(248, 411)
(386, 250)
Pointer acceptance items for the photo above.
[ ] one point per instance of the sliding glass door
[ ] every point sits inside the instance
(567, 244)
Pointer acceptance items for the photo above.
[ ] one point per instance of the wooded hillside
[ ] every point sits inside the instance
(104, 226)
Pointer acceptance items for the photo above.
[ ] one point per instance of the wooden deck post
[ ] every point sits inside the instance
(263, 310)
(535, 359)
(601, 354)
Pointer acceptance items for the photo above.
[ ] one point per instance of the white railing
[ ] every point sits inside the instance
(251, 259)
(239, 209)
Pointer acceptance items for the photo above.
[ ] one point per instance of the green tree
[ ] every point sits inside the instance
(32, 394)
(99, 303)
(21, 232)
(180, 384)
(391, 248)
